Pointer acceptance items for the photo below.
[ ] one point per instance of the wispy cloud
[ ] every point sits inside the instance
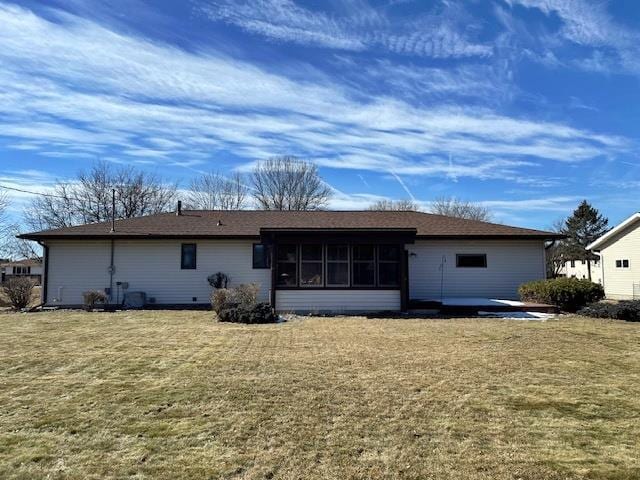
(615, 46)
(73, 86)
(358, 27)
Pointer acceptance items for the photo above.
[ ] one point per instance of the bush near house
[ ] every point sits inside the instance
(569, 294)
(18, 291)
(240, 305)
(93, 297)
(624, 310)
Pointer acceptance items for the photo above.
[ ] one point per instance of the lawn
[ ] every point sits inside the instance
(168, 395)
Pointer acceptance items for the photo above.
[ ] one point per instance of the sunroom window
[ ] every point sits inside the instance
(311, 266)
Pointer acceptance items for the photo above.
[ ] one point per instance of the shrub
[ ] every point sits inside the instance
(245, 296)
(220, 298)
(570, 294)
(257, 313)
(240, 305)
(92, 297)
(218, 280)
(19, 291)
(625, 310)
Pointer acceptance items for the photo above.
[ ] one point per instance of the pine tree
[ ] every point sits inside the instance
(583, 227)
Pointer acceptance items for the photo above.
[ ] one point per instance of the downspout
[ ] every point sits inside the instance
(112, 270)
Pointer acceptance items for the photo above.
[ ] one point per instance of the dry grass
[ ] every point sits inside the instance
(174, 395)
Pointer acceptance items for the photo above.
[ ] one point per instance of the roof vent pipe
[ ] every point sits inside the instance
(179, 208)
(219, 223)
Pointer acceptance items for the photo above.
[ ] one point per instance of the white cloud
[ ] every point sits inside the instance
(360, 27)
(589, 24)
(72, 86)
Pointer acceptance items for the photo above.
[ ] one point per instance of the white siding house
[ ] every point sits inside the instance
(151, 266)
(579, 269)
(433, 269)
(619, 252)
(302, 261)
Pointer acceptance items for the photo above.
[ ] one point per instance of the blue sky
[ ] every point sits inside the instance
(525, 106)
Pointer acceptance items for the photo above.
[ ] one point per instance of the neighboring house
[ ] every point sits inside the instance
(579, 269)
(28, 267)
(303, 261)
(619, 251)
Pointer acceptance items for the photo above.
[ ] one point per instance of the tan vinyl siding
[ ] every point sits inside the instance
(509, 264)
(618, 282)
(151, 266)
(337, 300)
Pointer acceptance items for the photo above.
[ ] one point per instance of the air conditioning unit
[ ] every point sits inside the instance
(134, 300)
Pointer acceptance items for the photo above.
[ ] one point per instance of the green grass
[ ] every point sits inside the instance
(169, 395)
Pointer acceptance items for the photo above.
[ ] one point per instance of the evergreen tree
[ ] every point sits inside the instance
(583, 227)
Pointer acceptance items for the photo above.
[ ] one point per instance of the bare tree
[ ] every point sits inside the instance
(213, 191)
(4, 222)
(394, 205)
(287, 183)
(87, 199)
(453, 207)
(554, 252)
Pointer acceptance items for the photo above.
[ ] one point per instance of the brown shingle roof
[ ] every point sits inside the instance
(248, 223)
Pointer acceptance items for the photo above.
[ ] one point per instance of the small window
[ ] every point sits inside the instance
(311, 266)
(618, 263)
(471, 260)
(287, 265)
(622, 263)
(573, 264)
(364, 266)
(188, 256)
(261, 256)
(582, 262)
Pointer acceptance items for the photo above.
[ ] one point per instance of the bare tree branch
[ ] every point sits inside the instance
(394, 205)
(87, 199)
(287, 183)
(453, 207)
(213, 191)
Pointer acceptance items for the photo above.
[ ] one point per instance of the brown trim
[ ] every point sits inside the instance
(124, 236)
(404, 281)
(274, 269)
(307, 289)
(134, 236)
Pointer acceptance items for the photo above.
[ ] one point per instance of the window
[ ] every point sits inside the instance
(622, 263)
(582, 262)
(311, 266)
(364, 265)
(337, 265)
(389, 265)
(261, 256)
(21, 270)
(573, 264)
(188, 256)
(471, 260)
(287, 265)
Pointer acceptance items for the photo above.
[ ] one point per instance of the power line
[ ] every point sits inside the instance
(34, 193)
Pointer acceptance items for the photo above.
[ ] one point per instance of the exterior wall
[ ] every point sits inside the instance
(580, 270)
(151, 266)
(337, 300)
(509, 264)
(619, 282)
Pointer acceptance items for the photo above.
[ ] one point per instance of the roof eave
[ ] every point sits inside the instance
(615, 230)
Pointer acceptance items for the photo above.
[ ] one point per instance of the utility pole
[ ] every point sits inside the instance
(113, 210)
